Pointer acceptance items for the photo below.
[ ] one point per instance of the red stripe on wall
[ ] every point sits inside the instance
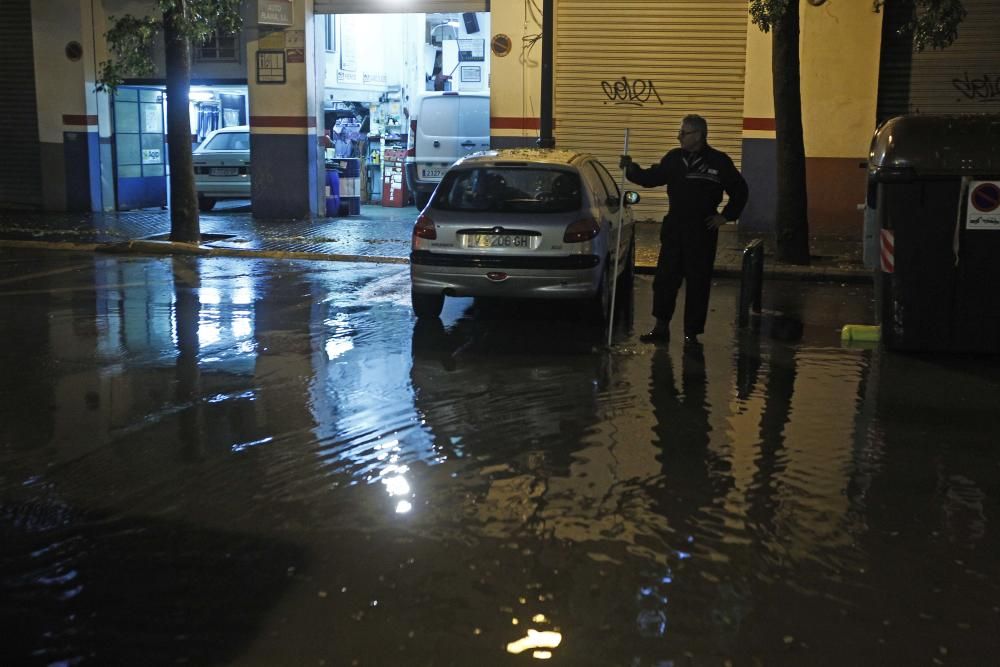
(766, 124)
(73, 119)
(282, 121)
(514, 123)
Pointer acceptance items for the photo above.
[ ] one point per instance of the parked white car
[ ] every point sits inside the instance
(222, 166)
(539, 223)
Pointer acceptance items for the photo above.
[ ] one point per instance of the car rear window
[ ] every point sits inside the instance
(229, 141)
(509, 189)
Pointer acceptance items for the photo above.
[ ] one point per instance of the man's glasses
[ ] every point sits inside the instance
(684, 132)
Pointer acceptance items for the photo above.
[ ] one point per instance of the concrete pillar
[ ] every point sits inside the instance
(65, 38)
(515, 77)
(282, 88)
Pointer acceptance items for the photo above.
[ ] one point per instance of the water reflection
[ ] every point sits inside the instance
(287, 454)
(188, 334)
(694, 480)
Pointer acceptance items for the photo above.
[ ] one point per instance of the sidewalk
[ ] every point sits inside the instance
(377, 235)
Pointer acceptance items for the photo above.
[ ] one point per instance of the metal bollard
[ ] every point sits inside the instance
(751, 282)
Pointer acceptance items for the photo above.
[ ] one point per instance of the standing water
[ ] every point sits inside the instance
(222, 461)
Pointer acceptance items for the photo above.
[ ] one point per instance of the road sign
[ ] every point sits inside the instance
(984, 206)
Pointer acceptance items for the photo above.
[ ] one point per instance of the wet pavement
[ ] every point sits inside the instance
(266, 462)
(379, 234)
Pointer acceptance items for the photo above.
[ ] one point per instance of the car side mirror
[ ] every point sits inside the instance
(631, 197)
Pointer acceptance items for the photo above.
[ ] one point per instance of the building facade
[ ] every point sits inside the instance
(642, 69)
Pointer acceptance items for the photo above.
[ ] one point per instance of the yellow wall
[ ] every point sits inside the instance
(516, 79)
(758, 94)
(839, 49)
(840, 46)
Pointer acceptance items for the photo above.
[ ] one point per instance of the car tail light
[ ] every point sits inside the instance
(411, 140)
(425, 228)
(583, 229)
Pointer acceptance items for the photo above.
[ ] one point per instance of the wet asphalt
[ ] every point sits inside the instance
(262, 462)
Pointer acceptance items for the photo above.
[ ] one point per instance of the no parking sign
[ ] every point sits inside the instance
(984, 205)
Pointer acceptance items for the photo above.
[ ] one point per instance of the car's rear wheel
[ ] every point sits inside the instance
(421, 199)
(427, 305)
(205, 203)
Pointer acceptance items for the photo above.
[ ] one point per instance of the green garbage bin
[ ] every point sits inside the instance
(937, 213)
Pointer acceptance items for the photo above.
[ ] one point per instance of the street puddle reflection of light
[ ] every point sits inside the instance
(535, 640)
(208, 333)
(397, 486)
(243, 446)
(393, 477)
(209, 296)
(242, 296)
(340, 342)
(335, 347)
(242, 326)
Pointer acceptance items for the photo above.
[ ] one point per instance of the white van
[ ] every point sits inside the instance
(444, 127)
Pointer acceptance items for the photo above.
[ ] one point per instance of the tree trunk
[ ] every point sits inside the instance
(184, 225)
(792, 224)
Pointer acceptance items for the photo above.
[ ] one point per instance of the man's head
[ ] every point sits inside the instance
(693, 133)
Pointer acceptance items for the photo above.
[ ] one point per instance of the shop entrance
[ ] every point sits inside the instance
(378, 70)
(140, 148)
(141, 162)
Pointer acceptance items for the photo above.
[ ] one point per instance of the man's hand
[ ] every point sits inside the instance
(715, 221)
(624, 161)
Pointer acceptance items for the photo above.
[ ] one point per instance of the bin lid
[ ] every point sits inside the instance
(918, 145)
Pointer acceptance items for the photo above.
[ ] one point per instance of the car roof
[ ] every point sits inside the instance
(450, 93)
(232, 128)
(513, 156)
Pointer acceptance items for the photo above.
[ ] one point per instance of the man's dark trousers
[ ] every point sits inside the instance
(687, 254)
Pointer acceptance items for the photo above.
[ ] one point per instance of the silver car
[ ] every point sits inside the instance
(523, 223)
(222, 166)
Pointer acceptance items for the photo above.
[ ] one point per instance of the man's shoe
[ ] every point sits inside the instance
(656, 336)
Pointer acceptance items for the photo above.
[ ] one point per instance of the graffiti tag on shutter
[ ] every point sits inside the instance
(636, 92)
(985, 88)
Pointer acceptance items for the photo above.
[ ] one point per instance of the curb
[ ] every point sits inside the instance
(815, 274)
(145, 247)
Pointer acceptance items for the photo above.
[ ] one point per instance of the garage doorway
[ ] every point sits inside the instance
(377, 67)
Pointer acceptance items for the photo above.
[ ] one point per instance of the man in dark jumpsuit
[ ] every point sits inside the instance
(696, 175)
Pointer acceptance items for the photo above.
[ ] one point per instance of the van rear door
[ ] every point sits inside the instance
(450, 127)
(474, 125)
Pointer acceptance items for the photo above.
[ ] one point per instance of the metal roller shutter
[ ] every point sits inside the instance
(963, 78)
(894, 64)
(418, 6)
(645, 64)
(20, 169)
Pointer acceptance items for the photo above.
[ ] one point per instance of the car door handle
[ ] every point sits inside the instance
(468, 144)
(437, 144)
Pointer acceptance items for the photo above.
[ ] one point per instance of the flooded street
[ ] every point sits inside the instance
(260, 462)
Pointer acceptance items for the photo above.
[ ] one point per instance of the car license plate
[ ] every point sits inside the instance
(499, 241)
(431, 173)
(224, 171)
